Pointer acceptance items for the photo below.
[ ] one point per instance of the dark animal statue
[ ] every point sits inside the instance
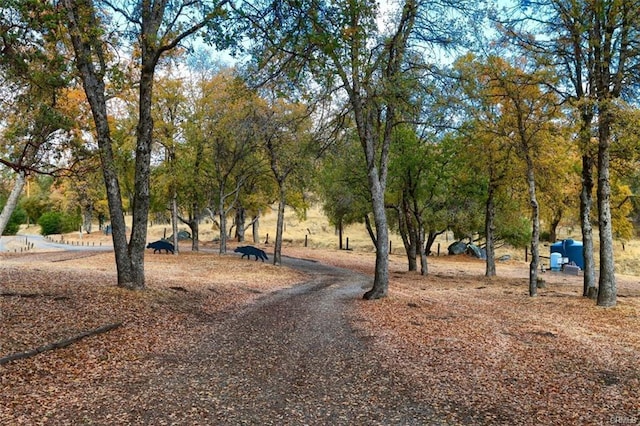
(160, 245)
(252, 251)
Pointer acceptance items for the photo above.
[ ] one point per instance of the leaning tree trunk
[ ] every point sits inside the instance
(369, 228)
(607, 292)
(12, 201)
(431, 239)
(85, 48)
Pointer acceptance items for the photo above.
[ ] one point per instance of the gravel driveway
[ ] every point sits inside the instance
(291, 358)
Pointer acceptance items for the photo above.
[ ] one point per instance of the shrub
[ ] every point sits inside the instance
(18, 217)
(58, 223)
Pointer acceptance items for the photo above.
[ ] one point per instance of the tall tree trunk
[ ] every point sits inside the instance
(381, 278)
(223, 223)
(277, 251)
(489, 229)
(12, 201)
(607, 292)
(255, 229)
(422, 244)
(586, 200)
(553, 225)
(535, 232)
(87, 47)
(240, 219)
(174, 221)
(409, 235)
(142, 191)
(194, 225)
(586, 203)
(87, 216)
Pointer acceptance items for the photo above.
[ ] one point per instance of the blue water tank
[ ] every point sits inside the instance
(574, 253)
(556, 261)
(558, 248)
(570, 249)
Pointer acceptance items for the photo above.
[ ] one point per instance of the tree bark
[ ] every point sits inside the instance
(381, 278)
(12, 201)
(586, 203)
(255, 229)
(87, 47)
(194, 225)
(370, 231)
(277, 251)
(535, 232)
(87, 216)
(422, 244)
(490, 227)
(607, 292)
(59, 344)
(431, 239)
(408, 234)
(174, 222)
(240, 219)
(144, 136)
(223, 222)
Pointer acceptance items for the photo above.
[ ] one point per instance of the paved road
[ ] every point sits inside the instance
(15, 242)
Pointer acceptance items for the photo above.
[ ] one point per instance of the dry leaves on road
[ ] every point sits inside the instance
(483, 351)
(50, 297)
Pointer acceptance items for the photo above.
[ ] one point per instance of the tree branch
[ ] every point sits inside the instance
(59, 344)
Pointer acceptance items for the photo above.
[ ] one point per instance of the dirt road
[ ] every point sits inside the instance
(289, 359)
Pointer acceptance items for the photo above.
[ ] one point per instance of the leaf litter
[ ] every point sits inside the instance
(479, 350)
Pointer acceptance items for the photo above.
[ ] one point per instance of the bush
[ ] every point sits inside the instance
(58, 223)
(18, 217)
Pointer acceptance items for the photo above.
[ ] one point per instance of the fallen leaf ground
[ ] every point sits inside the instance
(480, 351)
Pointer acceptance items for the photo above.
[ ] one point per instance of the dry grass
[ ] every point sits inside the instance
(319, 234)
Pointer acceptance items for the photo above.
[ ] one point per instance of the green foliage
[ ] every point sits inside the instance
(58, 223)
(342, 184)
(515, 231)
(34, 207)
(18, 217)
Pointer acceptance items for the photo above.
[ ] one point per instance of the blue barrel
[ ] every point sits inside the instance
(556, 261)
